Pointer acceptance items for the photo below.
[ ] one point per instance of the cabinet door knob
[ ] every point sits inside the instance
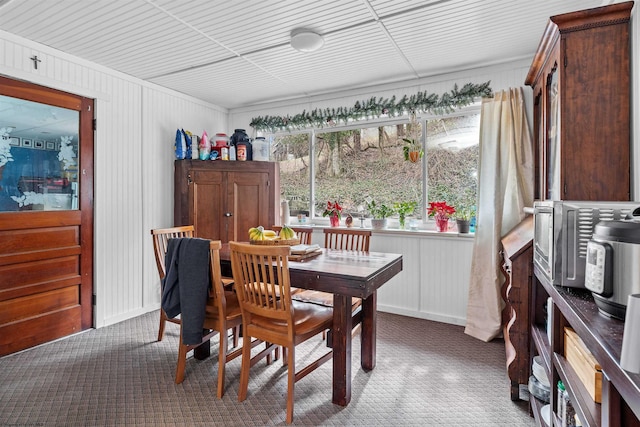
(228, 214)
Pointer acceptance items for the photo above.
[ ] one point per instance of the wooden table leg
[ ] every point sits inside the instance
(341, 342)
(368, 337)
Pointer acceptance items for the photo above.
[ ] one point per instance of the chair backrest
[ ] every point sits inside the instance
(216, 294)
(161, 237)
(261, 280)
(303, 233)
(347, 238)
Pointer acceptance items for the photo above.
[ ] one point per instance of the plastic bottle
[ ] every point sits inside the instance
(285, 213)
(249, 148)
(205, 146)
(241, 151)
(560, 407)
(194, 148)
(218, 143)
(232, 152)
(260, 149)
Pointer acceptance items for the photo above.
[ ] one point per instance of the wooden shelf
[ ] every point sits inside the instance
(602, 335)
(536, 407)
(588, 410)
(541, 342)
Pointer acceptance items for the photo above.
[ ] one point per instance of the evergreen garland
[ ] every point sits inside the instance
(376, 107)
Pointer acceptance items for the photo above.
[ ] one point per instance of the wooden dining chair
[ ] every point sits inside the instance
(303, 233)
(222, 314)
(161, 238)
(347, 238)
(339, 238)
(262, 283)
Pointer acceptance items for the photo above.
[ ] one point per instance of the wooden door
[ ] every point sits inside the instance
(206, 203)
(46, 217)
(247, 203)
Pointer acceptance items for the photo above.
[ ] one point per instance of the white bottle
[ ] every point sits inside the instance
(232, 152)
(285, 213)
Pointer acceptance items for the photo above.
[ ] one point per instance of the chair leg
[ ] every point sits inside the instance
(291, 376)
(163, 321)
(269, 357)
(222, 359)
(182, 360)
(236, 334)
(246, 365)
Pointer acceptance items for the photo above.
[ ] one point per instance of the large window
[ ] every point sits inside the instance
(357, 165)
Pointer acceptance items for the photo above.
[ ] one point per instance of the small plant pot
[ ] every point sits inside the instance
(463, 225)
(414, 156)
(379, 224)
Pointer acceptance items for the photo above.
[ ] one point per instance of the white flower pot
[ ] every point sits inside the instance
(378, 224)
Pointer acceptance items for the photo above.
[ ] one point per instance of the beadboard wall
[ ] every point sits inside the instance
(136, 126)
(501, 76)
(434, 280)
(134, 177)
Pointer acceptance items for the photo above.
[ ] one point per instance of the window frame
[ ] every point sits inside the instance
(474, 108)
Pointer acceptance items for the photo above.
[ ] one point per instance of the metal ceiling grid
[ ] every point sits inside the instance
(237, 53)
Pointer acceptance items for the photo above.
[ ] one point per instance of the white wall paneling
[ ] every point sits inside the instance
(163, 114)
(134, 156)
(434, 281)
(134, 169)
(501, 76)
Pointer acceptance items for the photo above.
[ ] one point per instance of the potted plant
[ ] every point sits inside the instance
(412, 149)
(463, 219)
(441, 212)
(379, 214)
(334, 212)
(404, 209)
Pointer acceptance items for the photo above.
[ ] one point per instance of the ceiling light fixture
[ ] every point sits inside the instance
(306, 40)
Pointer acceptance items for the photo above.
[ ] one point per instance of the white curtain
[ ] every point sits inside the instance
(505, 187)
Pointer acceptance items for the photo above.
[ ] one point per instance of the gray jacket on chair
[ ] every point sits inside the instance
(186, 285)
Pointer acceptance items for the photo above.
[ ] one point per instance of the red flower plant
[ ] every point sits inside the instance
(440, 210)
(333, 209)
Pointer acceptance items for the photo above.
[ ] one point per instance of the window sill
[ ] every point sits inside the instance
(397, 231)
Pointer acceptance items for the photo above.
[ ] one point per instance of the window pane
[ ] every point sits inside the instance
(355, 166)
(292, 153)
(452, 159)
(38, 156)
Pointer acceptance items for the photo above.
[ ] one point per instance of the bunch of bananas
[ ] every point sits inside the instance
(259, 233)
(287, 233)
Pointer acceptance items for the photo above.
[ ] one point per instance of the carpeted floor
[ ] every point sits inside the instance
(427, 374)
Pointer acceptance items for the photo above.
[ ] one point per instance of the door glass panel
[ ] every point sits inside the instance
(553, 138)
(38, 156)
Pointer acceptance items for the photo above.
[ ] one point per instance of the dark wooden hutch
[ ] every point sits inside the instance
(580, 78)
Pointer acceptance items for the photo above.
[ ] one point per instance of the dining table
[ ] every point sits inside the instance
(345, 274)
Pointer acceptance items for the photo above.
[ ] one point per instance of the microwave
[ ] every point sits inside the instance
(562, 230)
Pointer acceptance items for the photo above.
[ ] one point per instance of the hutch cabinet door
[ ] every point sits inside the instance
(247, 203)
(223, 200)
(206, 204)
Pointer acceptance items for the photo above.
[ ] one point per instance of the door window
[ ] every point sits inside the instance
(39, 156)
